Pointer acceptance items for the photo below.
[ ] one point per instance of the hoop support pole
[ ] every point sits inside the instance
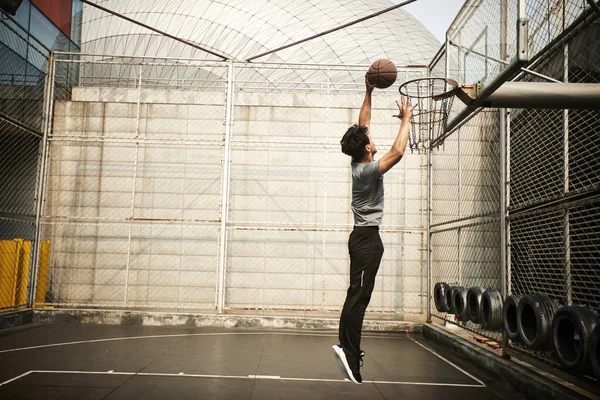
(545, 95)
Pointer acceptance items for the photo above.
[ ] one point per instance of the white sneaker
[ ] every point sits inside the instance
(340, 357)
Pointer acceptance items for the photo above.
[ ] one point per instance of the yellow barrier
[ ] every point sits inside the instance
(10, 251)
(42, 282)
(15, 258)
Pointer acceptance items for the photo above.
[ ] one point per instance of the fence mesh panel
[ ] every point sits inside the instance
(289, 216)
(465, 239)
(468, 256)
(134, 184)
(584, 247)
(537, 143)
(553, 159)
(135, 203)
(22, 80)
(555, 172)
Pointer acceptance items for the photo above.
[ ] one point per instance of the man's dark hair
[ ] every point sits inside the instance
(354, 141)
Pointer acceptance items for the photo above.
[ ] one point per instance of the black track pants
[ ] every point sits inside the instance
(366, 250)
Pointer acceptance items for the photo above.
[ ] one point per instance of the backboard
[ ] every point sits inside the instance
(486, 45)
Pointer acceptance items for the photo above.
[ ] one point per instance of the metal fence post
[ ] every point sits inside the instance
(566, 178)
(48, 107)
(133, 189)
(429, 210)
(504, 115)
(225, 190)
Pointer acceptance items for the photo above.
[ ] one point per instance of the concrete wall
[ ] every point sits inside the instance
(145, 233)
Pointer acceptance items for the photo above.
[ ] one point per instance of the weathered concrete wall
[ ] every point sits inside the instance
(113, 317)
(289, 205)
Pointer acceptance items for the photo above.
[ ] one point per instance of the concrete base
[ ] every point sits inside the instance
(526, 380)
(15, 318)
(116, 317)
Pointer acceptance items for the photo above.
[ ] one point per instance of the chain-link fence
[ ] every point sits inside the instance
(551, 171)
(22, 87)
(202, 185)
(465, 219)
(555, 170)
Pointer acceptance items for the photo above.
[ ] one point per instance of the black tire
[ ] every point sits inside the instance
(439, 296)
(594, 355)
(572, 329)
(459, 300)
(491, 310)
(510, 316)
(535, 314)
(449, 301)
(474, 296)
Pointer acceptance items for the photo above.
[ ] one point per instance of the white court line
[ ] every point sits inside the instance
(449, 362)
(42, 346)
(15, 378)
(268, 377)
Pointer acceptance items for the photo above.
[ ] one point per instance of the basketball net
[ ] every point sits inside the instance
(433, 98)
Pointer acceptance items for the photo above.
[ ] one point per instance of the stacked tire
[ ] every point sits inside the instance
(576, 347)
(510, 317)
(491, 310)
(459, 303)
(535, 313)
(475, 304)
(439, 296)
(572, 333)
(594, 354)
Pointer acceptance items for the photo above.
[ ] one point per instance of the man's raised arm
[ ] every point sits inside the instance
(396, 153)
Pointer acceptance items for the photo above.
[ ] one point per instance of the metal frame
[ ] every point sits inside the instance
(522, 57)
(43, 164)
(225, 191)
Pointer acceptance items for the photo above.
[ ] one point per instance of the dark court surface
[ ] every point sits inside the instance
(78, 361)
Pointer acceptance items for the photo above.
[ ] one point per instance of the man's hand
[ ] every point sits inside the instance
(369, 85)
(404, 109)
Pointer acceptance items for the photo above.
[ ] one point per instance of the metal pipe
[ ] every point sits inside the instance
(566, 178)
(332, 30)
(215, 62)
(504, 115)
(549, 79)
(430, 206)
(48, 107)
(572, 30)
(225, 192)
(459, 230)
(10, 120)
(507, 209)
(594, 6)
(17, 23)
(542, 95)
(133, 21)
(429, 221)
(463, 16)
(478, 53)
(133, 191)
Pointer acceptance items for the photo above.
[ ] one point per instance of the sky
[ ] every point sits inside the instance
(436, 15)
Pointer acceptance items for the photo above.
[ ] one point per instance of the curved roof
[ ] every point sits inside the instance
(240, 29)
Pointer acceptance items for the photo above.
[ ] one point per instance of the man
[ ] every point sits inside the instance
(364, 245)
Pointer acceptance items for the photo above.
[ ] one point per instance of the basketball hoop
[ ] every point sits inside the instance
(434, 98)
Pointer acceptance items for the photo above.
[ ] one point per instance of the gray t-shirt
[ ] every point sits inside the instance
(367, 194)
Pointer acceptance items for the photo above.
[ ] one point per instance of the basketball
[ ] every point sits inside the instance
(382, 73)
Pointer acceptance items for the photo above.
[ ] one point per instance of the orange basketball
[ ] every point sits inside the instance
(382, 73)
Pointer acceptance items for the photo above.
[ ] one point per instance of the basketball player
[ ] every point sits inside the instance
(364, 245)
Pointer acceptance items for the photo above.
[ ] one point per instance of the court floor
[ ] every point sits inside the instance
(81, 361)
